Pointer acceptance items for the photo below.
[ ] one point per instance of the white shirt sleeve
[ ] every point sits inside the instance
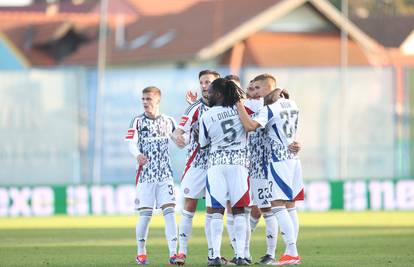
(187, 119)
(132, 138)
(253, 105)
(263, 116)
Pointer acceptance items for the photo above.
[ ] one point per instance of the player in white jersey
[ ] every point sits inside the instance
(253, 95)
(148, 138)
(191, 98)
(260, 186)
(227, 174)
(252, 106)
(280, 122)
(193, 181)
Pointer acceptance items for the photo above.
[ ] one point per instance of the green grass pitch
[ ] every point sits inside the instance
(325, 239)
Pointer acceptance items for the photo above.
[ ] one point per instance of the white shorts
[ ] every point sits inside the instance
(261, 192)
(193, 183)
(227, 182)
(150, 195)
(287, 177)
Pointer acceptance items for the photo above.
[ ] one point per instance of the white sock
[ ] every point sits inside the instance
(186, 227)
(271, 232)
(141, 230)
(286, 229)
(230, 230)
(208, 235)
(216, 222)
(170, 229)
(253, 223)
(240, 234)
(295, 221)
(248, 233)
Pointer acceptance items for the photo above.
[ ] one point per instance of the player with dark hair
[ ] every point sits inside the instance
(234, 78)
(227, 174)
(193, 181)
(230, 219)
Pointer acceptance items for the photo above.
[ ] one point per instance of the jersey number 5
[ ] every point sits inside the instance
(229, 132)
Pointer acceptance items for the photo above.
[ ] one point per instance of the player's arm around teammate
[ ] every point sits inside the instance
(148, 142)
(227, 174)
(191, 98)
(283, 168)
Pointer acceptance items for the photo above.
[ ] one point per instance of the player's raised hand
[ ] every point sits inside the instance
(142, 159)
(294, 147)
(191, 97)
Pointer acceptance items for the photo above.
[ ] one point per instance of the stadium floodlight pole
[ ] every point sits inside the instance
(97, 155)
(343, 111)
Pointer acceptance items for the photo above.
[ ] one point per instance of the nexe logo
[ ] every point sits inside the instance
(358, 195)
(38, 201)
(379, 195)
(353, 195)
(97, 200)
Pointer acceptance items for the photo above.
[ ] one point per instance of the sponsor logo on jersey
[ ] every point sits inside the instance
(183, 121)
(130, 134)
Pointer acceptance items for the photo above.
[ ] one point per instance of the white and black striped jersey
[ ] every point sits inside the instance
(280, 120)
(222, 129)
(190, 125)
(150, 137)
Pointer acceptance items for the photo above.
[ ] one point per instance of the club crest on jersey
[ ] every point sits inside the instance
(183, 121)
(130, 134)
(186, 190)
(136, 201)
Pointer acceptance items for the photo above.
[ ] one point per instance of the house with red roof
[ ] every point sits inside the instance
(231, 32)
(339, 70)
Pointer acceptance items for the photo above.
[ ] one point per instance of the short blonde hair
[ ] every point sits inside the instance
(152, 89)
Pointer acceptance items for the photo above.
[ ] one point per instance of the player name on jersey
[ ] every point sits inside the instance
(225, 114)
